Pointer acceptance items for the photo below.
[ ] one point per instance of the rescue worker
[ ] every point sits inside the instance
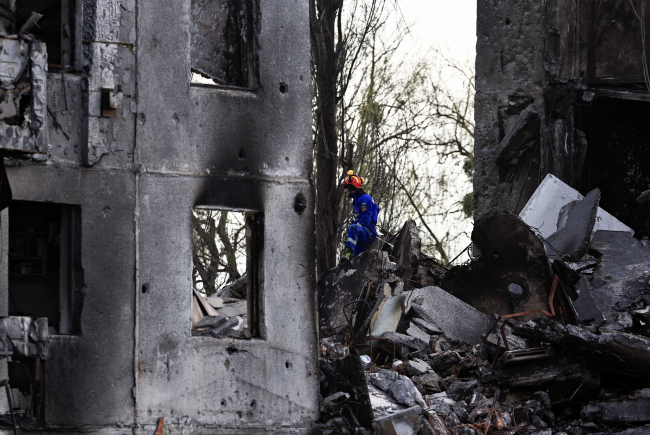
(362, 231)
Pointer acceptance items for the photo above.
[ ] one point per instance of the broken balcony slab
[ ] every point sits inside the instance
(623, 274)
(456, 319)
(575, 224)
(543, 208)
(512, 275)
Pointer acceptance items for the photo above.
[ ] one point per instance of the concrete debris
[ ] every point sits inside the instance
(212, 317)
(568, 356)
(389, 313)
(456, 319)
(427, 383)
(352, 281)
(512, 275)
(523, 135)
(234, 290)
(346, 375)
(406, 422)
(399, 386)
(335, 399)
(427, 327)
(622, 279)
(644, 197)
(575, 225)
(408, 342)
(417, 367)
(542, 210)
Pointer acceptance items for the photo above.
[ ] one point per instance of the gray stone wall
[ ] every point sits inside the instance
(510, 76)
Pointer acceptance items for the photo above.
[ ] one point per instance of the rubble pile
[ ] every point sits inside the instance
(547, 331)
(222, 315)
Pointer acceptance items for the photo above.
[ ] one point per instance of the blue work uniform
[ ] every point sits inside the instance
(362, 231)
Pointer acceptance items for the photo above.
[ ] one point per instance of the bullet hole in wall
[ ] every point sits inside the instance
(145, 288)
(299, 203)
(284, 87)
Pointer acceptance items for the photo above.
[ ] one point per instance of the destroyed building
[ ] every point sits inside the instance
(562, 89)
(108, 146)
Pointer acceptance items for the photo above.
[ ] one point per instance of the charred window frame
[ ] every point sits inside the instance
(224, 43)
(59, 27)
(45, 275)
(254, 280)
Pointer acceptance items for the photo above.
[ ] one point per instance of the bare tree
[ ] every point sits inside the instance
(335, 53)
(413, 135)
(219, 249)
(390, 119)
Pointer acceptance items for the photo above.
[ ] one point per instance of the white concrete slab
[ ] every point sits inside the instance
(543, 208)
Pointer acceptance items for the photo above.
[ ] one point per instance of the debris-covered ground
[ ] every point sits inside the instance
(545, 331)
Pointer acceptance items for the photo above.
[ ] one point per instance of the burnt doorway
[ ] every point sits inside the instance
(618, 157)
(45, 273)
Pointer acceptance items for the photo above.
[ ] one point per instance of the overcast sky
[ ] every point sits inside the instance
(449, 25)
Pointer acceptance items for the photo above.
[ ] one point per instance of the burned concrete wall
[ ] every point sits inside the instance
(578, 67)
(136, 146)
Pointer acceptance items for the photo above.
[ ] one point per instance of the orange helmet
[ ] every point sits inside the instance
(353, 180)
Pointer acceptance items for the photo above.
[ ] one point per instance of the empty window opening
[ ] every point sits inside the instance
(225, 276)
(56, 27)
(618, 152)
(224, 42)
(45, 274)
